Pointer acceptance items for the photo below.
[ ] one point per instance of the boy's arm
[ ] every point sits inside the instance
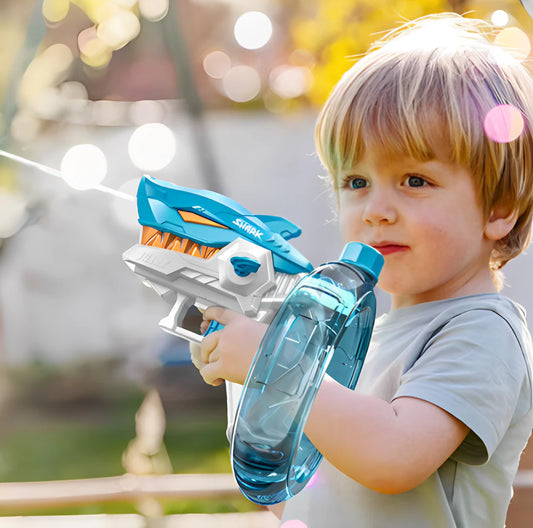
(387, 447)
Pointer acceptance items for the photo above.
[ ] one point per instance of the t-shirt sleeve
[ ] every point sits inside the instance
(473, 368)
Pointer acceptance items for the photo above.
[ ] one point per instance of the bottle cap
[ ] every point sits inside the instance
(363, 256)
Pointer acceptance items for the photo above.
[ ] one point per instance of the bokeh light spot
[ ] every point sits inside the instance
(25, 126)
(290, 81)
(93, 51)
(84, 166)
(55, 10)
(514, 41)
(302, 57)
(253, 30)
(293, 524)
(153, 10)
(129, 4)
(74, 90)
(46, 70)
(216, 64)
(107, 113)
(119, 29)
(242, 84)
(152, 147)
(500, 18)
(48, 104)
(503, 123)
(85, 37)
(146, 111)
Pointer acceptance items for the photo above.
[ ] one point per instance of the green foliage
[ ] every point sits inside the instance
(75, 422)
(59, 449)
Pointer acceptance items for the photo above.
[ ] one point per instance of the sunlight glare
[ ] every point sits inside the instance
(500, 18)
(514, 41)
(152, 147)
(84, 166)
(503, 123)
(253, 30)
(242, 83)
(55, 10)
(153, 10)
(216, 64)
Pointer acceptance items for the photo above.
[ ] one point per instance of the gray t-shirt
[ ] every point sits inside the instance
(471, 356)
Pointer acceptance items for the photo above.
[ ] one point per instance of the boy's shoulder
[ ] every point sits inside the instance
(491, 319)
(439, 313)
(469, 332)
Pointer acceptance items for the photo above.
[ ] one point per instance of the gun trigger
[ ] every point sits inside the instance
(213, 327)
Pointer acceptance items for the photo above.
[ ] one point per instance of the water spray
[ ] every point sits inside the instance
(67, 173)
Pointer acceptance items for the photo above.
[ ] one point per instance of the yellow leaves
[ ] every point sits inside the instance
(338, 31)
(96, 10)
(308, 34)
(116, 23)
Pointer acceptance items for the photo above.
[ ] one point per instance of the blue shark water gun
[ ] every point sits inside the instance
(201, 248)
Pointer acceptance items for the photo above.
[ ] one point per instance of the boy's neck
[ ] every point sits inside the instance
(480, 284)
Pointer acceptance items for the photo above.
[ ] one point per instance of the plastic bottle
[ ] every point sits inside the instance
(323, 326)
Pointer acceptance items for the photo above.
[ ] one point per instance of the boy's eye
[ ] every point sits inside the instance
(416, 181)
(357, 183)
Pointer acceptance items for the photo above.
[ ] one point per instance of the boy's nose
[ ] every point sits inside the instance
(380, 208)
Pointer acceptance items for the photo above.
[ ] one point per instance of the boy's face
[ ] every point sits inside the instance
(426, 220)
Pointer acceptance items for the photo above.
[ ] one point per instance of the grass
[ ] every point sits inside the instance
(76, 423)
(69, 450)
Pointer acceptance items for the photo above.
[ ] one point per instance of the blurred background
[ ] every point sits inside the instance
(215, 94)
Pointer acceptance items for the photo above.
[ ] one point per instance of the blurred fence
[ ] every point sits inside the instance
(262, 519)
(21, 495)
(121, 488)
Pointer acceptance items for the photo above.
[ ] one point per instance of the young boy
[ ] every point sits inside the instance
(432, 434)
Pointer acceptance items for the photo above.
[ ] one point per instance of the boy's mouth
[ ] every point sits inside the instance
(388, 248)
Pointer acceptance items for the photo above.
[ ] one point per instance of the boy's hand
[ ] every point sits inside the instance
(227, 354)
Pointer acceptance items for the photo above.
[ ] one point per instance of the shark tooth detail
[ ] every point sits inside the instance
(160, 239)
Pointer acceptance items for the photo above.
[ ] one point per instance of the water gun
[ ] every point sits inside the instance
(201, 248)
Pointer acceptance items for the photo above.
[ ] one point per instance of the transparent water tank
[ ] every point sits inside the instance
(323, 326)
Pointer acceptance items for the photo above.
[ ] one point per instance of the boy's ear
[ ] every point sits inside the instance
(500, 222)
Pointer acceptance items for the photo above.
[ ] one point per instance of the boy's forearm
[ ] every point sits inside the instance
(388, 447)
(353, 432)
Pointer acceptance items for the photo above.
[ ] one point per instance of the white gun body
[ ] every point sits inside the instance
(184, 280)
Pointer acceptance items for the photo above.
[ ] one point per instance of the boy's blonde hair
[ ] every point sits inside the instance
(438, 73)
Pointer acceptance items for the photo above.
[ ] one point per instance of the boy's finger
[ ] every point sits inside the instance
(196, 355)
(209, 374)
(217, 313)
(208, 344)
